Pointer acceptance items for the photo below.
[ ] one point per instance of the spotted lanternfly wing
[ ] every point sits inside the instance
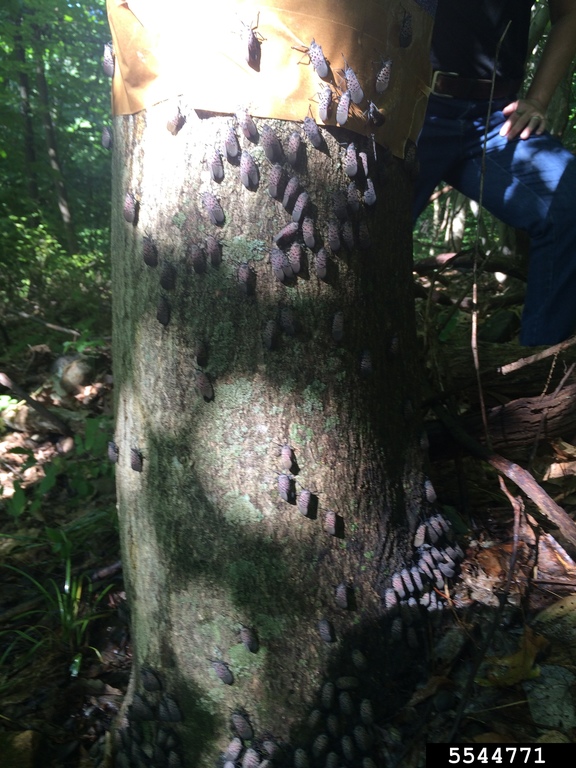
(306, 502)
(286, 488)
(293, 148)
(308, 232)
(233, 750)
(338, 326)
(150, 680)
(343, 108)
(136, 460)
(353, 197)
(339, 205)
(247, 278)
(168, 709)
(247, 125)
(212, 208)
(141, 709)
(353, 84)
(108, 59)
(383, 76)
(330, 522)
(334, 233)
(271, 145)
(300, 206)
(176, 122)
(374, 116)
(196, 257)
(287, 234)
(130, 208)
(318, 60)
(149, 251)
(276, 182)
(223, 671)
(295, 257)
(231, 146)
(107, 137)
(325, 103)
(348, 235)
(290, 191)
(242, 726)
(163, 311)
(321, 264)
(369, 193)
(312, 132)
(251, 758)
(253, 47)
(326, 631)
(350, 160)
(215, 164)
(249, 639)
(113, 452)
(249, 175)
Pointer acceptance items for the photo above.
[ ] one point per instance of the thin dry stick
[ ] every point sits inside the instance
(523, 361)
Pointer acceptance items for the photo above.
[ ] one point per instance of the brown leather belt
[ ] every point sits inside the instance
(452, 85)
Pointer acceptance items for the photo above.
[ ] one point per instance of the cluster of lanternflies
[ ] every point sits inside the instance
(342, 725)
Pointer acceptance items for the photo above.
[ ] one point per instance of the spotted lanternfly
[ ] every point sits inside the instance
(247, 125)
(364, 160)
(168, 709)
(438, 579)
(350, 160)
(314, 720)
(405, 576)
(231, 146)
(405, 36)
(130, 208)
(322, 264)
(352, 83)
(287, 321)
(107, 137)
(334, 234)
(136, 459)
(320, 745)
(328, 695)
(341, 596)
(330, 522)
(271, 144)
(149, 251)
(287, 233)
(176, 122)
(213, 208)
(233, 750)
(140, 709)
(366, 712)
(242, 726)
(295, 257)
(416, 578)
(290, 191)
(304, 502)
(204, 386)
(249, 639)
(293, 148)
(420, 535)
(280, 265)
(214, 250)
(374, 117)
(398, 585)
(223, 671)
(446, 569)
(429, 491)
(150, 680)
(308, 232)
(326, 631)
(353, 197)
(364, 239)
(390, 599)
(168, 277)
(248, 171)
(301, 759)
(369, 193)
(362, 738)
(325, 103)
(339, 205)
(108, 59)
(276, 182)
(425, 600)
(215, 165)
(348, 235)
(250, 758)
(343, 108)
(346, 704)
(317, 59)
(113, 452)
(253, 43)
(270, 335)
(201, 352)
(312, 132)
(338, 326)
(196, 257)
(300, 206)
(434, 531)
(163, 311)
(286, 488)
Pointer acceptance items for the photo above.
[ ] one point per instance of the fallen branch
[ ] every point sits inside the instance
(548, 352)
(60, 425)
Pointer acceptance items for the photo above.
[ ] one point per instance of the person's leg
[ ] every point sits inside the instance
(531, 185)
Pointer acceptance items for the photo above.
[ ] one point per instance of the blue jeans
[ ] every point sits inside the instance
(530, 185)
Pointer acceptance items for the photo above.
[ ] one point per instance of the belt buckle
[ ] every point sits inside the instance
(435, 77)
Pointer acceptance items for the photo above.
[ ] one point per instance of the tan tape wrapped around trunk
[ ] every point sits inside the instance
(152, 39)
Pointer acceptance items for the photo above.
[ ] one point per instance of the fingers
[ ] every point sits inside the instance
(525, 118)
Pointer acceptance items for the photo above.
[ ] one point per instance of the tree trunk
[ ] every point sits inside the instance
(24, 91)
(240, 387)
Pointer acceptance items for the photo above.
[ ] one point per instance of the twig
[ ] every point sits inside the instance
(53, 327)
(542, 355)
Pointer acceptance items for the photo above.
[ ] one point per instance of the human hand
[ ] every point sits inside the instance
(525, 117)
